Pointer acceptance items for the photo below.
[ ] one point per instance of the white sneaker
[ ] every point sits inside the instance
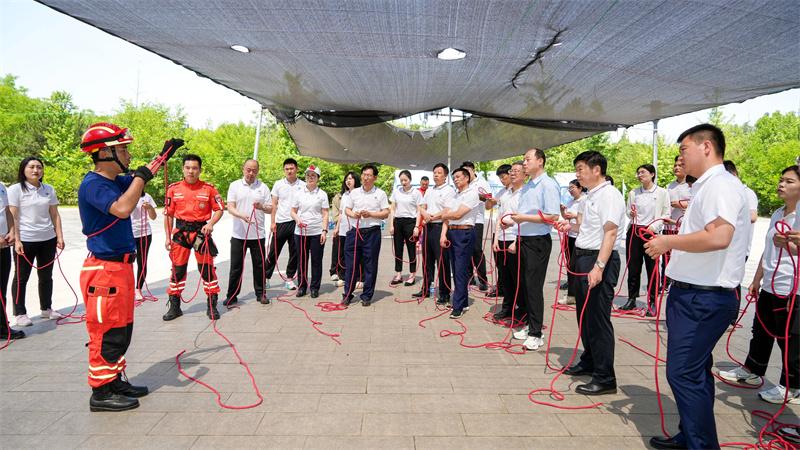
(521, 334)
(566, 300)
(52, 315)
(778, 393)
(339, 283)
(334, 277)
(359, 285)
(137, 294)
(290, 285)
(23, 321)
(533, 343)
(740, 375)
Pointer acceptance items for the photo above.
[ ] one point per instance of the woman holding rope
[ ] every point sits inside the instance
(343, 226)
(310, 214)
(140, 222)
(775, 280)
(405, 201)
(37, 236)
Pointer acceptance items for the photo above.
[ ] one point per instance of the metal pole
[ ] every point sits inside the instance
(258, 133)
(449, 136)
(655, 144)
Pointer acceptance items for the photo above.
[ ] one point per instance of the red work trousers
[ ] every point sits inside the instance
(107, 289)
(179, 256)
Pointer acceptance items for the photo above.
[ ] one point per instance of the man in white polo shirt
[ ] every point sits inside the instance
(706, 266)
(248, 200)
(368, 206)
(484, 192)
(436, 199)
(282, 227)
(459, 222)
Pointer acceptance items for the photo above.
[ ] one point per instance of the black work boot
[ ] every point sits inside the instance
(174, 310)
(104, 399)
(630, 305)
(121, 386)
(212, 312)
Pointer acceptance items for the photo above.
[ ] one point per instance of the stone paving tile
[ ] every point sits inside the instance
(360, 442)
(408, 385)
(471, 443)
(451, 403)
(206, 424)
(599, 424)
(85, 423)
(412, 425)
(311, 424)
(261, 442)
(43, 442)
(43, 402)
(513, 425)
(365, 403)
(138, 442)
(275, 402)
(28, 422)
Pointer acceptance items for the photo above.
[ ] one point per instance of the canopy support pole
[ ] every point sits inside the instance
(258, 133)
(655, 144)
(449, 137)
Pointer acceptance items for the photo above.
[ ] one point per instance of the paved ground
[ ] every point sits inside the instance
(390, 384)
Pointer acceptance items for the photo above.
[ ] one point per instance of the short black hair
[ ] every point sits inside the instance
(792, 168)
(649, 168)
(469, 164)
(610, 179)
(503, 169)
(463, 171)
(443, 166)
(370, 166)
(677, 156)
(289, 161)
(539, 154)
(730, 167)
(193, 157)
(592, 158)
(424, 178)
(404, 172)
(706, 131)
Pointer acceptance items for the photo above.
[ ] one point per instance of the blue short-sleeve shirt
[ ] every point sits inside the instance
(95, 197)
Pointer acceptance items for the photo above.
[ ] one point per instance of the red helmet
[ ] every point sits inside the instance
(102, 134)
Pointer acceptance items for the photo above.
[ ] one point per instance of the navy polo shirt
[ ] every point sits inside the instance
(95, 197)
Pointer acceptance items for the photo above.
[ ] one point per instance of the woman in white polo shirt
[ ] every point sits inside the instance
(403, 219)
(37, 229)
(310, 214)
(143, 234)
(343, 225)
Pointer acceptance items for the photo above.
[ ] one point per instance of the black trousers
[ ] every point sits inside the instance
(5, 273)
(534, 259)
(335, 252)
(571, 265)
(403, 232)
(498, 282)
(636, 256)
(309, 245)
(507, 268)
(39, 253)
(341, 263)
(478, 259)
(365, 256)
(239, 248)
(284, 232)
(597, 332)
(142, 250)
(772, 311)
(434, 255)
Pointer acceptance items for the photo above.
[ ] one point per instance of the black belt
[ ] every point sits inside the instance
(126, 258)
(536, 237)
(185, 225)
(460, 227)
(699, 287)
(585, 252)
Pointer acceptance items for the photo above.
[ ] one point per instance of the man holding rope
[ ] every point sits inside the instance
(106, 199)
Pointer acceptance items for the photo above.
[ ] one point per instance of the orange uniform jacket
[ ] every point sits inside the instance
(192, 202)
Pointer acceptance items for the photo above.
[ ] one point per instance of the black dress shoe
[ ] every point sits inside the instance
(665, 442)
(300, 293)
(577, 370)
(123, 387)
(483, 287)
(443, 300)
(346, 300)
(421, 294)
(15, 334)
(103, 399)
(500, 315)
(366, 301)
(314, 293)
(264, 300)
(596, 389)
(492, 293)
(629, 305)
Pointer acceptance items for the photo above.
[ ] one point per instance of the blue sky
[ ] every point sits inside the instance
(49, 51)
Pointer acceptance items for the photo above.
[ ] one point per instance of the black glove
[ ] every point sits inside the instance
(144, 173)
(170, 146)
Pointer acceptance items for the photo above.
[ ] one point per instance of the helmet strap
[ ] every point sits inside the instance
(113, 158)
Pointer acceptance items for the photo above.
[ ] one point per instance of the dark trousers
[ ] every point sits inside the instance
(365, 255)
(461, 247)
(696, 320)
(39, 253)
(309, 245)
(403, 232)
(534, 259)
(571, 265)
(284, 232)
(5, 273)
(636, 256)
(507, 269)
(142, 250)
(478, 260)
(239, 248)
(772, 311)
(435, 255)
(336, 256)
(597, 332)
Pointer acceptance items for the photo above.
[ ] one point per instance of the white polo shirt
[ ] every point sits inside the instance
(716, 194)
(602, 204)
(650, 204)
(507, 202)
(35, 224)
(406, 202)
(374, 200)
(309, 206)
(285, 192)
(752, 204)
(3, 208)
(481, 186)
(437, 198)
(574, 206)
(469, 198)
(784, 278)
(345, 222)
(678, 191)
(140, 223)
(245, 195)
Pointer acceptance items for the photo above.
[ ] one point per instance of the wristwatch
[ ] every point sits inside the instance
(600, 264)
